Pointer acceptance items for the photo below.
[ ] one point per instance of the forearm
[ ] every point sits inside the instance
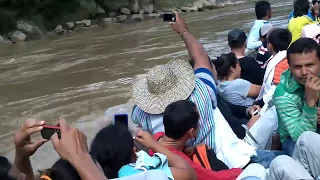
(173, 159)
(24, 166)
(86, 168)
(196, 51)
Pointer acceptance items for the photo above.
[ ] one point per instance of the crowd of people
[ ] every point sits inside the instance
(225, 118)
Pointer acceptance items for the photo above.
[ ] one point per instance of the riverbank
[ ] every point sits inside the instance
(27, 30)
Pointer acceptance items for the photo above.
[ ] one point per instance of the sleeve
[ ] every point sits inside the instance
(279, 69)
(139, 117)
(242, 87)
(295, 121)
(206, 76)
(253, 39)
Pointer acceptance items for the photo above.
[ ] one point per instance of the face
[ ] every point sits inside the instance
(236, 72)
(269, 13)
(214, 72)
(270, 48)
(302, 65)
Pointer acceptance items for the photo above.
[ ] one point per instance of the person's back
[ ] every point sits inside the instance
(263, 14)
(296, 107)
(250, 68)
(300, 19)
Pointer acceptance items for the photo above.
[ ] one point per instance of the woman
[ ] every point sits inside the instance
(231, 87)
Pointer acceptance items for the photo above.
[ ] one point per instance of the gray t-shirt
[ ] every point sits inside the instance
(236, 92)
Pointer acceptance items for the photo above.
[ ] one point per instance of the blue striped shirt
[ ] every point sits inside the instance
(204, 96)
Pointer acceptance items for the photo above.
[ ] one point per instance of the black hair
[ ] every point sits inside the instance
(224, 63)
(301, 8)
(63, 170)
(179, 117)
(262, 8)
(112, 148)
(280, 39)
(303, 46)
(5, 167)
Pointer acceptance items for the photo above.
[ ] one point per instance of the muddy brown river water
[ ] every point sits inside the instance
(81, 75)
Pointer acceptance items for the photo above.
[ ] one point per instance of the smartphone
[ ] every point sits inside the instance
(48, 131)
(171, 17)
(121, 119)
(256, 112)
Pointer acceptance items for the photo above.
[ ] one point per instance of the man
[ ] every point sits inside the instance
(181, 121)
(263, 54)
(250, 69)
(263, 14)
(175, 81)
(297, 95)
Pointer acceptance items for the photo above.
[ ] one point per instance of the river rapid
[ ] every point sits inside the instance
(82, 75)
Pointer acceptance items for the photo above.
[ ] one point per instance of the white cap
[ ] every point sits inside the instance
(266, 29)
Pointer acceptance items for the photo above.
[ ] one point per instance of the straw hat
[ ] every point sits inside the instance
(163, 85)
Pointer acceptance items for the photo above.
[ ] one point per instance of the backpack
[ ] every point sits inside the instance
(311, 31)
(206, 157)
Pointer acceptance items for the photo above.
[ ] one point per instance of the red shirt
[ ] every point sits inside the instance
(203, 173)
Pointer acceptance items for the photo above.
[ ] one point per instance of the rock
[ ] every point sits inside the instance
(70, 25)
(179, 11)
(99, 10)
(121, 18)
(112, 14)
(1, 38)
(137, 17)
(149, 8)
(86, 22)
(185, 9)
(194, 8)
(18, 36)
(141, 11)
(59, 29)
(198, 4)
(125, 11)
(30, 29)
(136, 7)
(78, 24)
(154, 15)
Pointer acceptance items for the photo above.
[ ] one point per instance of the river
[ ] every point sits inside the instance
(81, 75)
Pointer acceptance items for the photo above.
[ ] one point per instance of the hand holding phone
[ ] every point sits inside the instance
(48, 131)
(169, 17)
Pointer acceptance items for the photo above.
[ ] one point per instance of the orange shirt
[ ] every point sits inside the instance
(280, 68)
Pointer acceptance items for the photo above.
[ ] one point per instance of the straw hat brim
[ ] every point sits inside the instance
(157, 103)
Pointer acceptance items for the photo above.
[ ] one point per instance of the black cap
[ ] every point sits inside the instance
(236, 36)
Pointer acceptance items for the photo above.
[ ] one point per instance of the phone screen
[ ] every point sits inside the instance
(169, 17)
(121, 119)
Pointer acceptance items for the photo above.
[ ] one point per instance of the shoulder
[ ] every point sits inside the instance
(239, 83)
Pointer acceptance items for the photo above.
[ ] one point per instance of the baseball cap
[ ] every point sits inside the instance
(237, 36)
(266, 29)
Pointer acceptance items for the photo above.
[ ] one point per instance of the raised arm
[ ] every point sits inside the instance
(194, 47)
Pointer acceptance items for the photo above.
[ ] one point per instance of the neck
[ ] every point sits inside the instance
(265, 18)
(175, 144)
(239, 52)
(229, 78)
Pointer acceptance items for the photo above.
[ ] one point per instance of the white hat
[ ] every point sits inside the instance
(163, 85)
(266, 29)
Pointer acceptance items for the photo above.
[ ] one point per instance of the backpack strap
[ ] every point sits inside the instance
(251, 136)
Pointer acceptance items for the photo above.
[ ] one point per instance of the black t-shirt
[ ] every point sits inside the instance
(251, 70)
